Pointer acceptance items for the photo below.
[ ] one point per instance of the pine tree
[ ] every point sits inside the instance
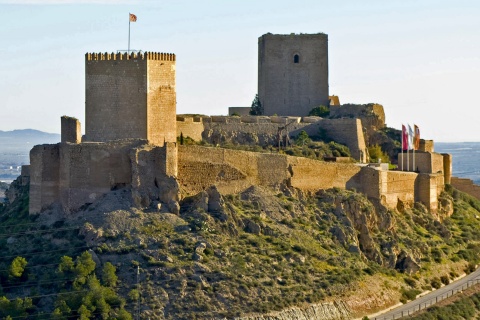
(256, 109)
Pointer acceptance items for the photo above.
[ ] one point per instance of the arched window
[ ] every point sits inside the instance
(296, 58)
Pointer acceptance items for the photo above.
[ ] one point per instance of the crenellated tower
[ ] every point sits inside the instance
(130, 96)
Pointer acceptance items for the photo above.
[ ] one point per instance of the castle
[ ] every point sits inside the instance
(132, 129)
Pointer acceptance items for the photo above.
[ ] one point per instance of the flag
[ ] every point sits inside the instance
(417, 137)
(133, 18)
(410, 138)
(404, 138)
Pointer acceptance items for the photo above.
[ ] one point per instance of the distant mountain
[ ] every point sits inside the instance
(29, 136)
(15, 147)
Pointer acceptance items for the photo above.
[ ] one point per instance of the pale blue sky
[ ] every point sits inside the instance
(420, 59)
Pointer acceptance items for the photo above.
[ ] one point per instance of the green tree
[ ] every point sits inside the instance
(376, 153)
(303, 138)
(320, 111)
(17, 267)
(109, 277)
(256, 109)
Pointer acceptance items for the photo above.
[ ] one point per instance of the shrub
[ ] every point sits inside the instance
(436, 283)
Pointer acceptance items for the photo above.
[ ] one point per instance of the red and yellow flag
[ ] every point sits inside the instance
(133, 18)
(416, 141)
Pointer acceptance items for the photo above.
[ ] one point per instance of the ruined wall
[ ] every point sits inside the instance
(345, 131)
(239, 111)
(44, 176)
(71, 130)
(190, 127)
(232, 171)
(153, 173)
(130, 97)
(264, 130)
(292, 73)
(466, 185)
(72, 175)
(90, 170)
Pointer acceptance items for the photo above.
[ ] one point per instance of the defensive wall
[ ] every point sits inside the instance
(233, 171)
(263, 130)
(467, 186)
(72, 175)
(130, 96)
(292, 73)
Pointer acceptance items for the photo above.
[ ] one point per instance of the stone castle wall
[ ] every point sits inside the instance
(425, 162)
(292, 73)
(72, 175)
(264, 130)
(233, 171)
(130, 96)
(70, 129)
(466, 185)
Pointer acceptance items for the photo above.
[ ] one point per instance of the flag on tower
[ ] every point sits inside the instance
(417, 137)
(404, 138)
(133, 18)
(410, 138)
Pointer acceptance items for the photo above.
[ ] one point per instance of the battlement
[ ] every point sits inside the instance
(105, 56)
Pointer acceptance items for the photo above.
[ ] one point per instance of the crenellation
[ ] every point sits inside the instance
(106, 56)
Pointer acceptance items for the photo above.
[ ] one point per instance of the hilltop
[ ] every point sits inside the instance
(237, 256)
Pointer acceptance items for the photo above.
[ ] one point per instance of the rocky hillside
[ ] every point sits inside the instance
(261, 254)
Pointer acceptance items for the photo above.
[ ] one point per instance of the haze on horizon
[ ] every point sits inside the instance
(419, 60)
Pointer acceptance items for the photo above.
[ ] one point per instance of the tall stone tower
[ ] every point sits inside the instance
(130, 96)
(292, 73)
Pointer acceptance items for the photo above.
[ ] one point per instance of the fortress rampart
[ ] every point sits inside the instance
(467, 186)
(72, 175)
(233, 171)
(264, 130)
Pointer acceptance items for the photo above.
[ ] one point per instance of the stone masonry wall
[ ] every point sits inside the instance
(292, 73)
(161, 101)
(232, 171)
(44, 176)
(130, 97)
(264, 130)
(115, 98)
(467, 186)
(90, 170)
(425, 162)
(73, 175)
(71, 130)
(190, 128)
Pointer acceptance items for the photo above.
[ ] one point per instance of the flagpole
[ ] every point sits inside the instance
(128, 52)
(402, 150)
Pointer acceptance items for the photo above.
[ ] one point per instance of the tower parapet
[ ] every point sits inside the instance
(105, 56)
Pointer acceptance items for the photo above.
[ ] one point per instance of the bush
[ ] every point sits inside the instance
(436, 283)
(320, 111)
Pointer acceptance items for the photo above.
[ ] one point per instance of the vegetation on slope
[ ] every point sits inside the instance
(229, 255)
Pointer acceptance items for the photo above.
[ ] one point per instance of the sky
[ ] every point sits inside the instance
(420, 59)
